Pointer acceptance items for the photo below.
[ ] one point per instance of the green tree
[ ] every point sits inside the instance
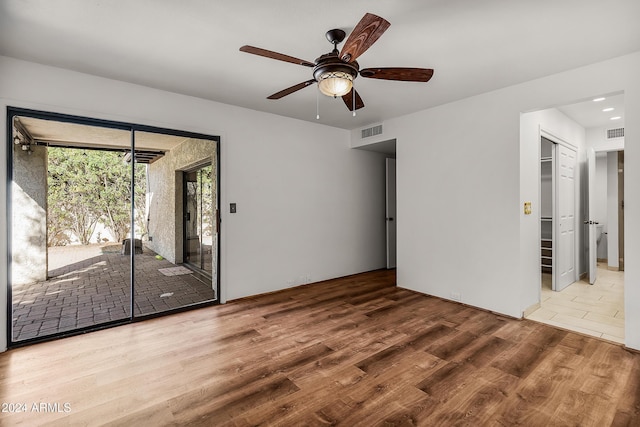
(91, 186)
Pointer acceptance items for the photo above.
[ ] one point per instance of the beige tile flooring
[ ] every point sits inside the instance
(596, 310)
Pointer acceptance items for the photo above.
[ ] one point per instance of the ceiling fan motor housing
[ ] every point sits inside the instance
(332, 64)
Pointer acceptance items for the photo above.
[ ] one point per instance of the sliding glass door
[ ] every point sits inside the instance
(96, 219)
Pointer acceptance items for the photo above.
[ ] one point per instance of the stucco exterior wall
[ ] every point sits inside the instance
(29, 221)
(164, 195)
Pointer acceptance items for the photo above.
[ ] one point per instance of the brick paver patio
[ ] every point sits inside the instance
(90, 285)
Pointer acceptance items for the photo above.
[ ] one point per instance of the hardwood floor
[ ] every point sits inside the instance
(353, 351)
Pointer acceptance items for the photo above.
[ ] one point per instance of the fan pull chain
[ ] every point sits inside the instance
(318, 104)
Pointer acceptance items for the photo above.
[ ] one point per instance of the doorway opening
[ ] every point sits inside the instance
(594, 303)
(388, 149)
(390, 207)
(199, 219)
(606, 210)
(620, 207)
(558, 211)
(547, 193)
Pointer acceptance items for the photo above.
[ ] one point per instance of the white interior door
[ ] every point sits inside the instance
(565, 250)
(591, 223)
(391, 213)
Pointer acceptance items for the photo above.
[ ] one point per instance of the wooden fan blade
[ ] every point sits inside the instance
(348, 100)
(396, 73)
(291, 89)
(368, 30)
(275, 55)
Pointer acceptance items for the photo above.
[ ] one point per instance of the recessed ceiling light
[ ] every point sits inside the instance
(606, 110)
(615, 118)
(599, 99)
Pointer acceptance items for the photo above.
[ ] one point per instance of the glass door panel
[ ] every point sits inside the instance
(69, 213)
(173, 269)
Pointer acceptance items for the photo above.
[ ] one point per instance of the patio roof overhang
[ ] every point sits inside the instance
(149, 147)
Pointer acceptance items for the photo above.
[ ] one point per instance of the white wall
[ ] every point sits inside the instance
(597, 139)
(458, 198)
(464, 171)
(309, 207)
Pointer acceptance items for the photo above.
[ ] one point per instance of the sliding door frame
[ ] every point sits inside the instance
(132, 128)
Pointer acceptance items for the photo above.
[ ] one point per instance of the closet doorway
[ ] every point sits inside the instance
(557, 214)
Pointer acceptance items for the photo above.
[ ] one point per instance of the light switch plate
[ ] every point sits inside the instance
(232, 208)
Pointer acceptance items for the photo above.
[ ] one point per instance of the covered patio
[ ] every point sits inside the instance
(90, 284)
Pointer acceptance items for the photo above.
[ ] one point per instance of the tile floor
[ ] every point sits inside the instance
(596, 310)
(90, 285)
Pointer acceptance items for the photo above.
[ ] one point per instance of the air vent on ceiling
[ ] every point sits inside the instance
(372, 131)
(615, 133)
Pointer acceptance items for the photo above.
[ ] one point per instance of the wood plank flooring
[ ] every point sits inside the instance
(355, 351)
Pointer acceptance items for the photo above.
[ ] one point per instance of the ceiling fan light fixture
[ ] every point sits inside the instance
(335, 71)
(335, 83)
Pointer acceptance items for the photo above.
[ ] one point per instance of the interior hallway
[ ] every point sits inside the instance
(596, 310)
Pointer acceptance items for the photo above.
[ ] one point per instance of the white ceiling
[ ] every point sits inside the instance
(590, 113)
(191, 46)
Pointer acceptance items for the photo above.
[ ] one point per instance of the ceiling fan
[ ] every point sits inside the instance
(335, 72)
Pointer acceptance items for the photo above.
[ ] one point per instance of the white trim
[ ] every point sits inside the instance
(617, 145)
(556, 139)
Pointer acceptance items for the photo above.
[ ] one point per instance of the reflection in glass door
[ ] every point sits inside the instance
(199, 216)
(173, 269)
